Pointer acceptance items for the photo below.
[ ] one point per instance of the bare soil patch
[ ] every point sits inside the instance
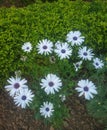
(15, 118)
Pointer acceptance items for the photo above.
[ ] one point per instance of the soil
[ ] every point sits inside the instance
(15, 118)
(16, 3)
(22, 3)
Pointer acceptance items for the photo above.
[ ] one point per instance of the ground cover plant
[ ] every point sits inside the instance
(56, 56)
(48, 93)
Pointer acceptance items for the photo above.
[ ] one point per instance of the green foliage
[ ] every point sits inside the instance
(98, 106)
(52, 21)
(63, 70)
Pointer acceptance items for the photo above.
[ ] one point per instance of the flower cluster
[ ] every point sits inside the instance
(51, 84)
(19, 91)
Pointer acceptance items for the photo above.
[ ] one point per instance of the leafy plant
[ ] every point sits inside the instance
(47, 20)
(23, 30)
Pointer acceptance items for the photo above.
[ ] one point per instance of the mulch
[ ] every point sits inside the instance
(15, 118)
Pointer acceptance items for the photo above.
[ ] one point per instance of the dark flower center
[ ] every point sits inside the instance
(47, 109)
(63, 50)
(27, 48)
(97, 64)
(77, 65)
(16, 85)
(45, 47)
(51, 84)
(74, 38)
(85, 53)
(86, 88)
(24, 97)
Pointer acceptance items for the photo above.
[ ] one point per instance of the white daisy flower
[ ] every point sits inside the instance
(75, 38)
(24, 98)
(86, 88)
(63, 50)
(85, 54)
(27, 47)
(98, 63)
(16, 85)
(51, 83)
(77, 65)
(46, 109)
(45, 47)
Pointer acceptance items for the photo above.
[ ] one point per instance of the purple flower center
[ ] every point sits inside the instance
(27, 48)
(63, 50)
(16, 85)
(47, 109)
(74, 38)
(77, 65)
(24, 97)
(45, 47)
(97, 64)
(85, 53)
(86, 88)
(51, 84)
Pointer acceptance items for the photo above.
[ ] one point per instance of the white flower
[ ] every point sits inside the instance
(45, 47)
(98, 63)
(24, 98)
(46, 109)
(63, 50)
(16, 85)
(85, 54)
(51, 83)
(86, 88)
(27, 47)
(75, 38)
(77, 65)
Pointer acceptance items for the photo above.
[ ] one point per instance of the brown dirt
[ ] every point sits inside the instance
(22, 3)
(14, 118)
(17, 3)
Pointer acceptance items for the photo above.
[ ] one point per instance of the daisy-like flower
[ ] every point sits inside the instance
(98, 63)
(45, 47)
(86, 88)
(77, 65)
(46, 109)
(63, 50)
(75, 38)
(16, 85)
(24, 98)
(85, 53)
(27, 47)
(51, 83)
